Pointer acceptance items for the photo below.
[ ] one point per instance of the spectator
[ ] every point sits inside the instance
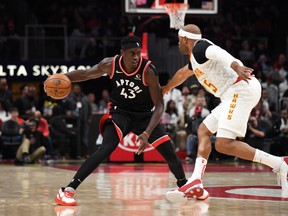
(281, 64)
(246, 54)
(32, 148)
(94, 107)
(192, 139)
(283, 87)
(194, 89)
(33, 98)
(257, 131)
(272, 94)
(281, 141)
(187, 99)
(170, 119)
(103, 103)
(4, 115)
(200, 102)
(47, 104)
(279, 70)
(176, 96)
(43, 127)
(264, 67)
(284, 123)
(79, 104)
(23, 103)
(265, 104)
(64, 139)
(15, 116)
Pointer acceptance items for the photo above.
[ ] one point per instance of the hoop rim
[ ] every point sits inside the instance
(171, 7)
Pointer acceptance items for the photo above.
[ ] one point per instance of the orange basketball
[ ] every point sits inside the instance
(57, 86)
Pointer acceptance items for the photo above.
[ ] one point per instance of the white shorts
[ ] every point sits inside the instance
(229, 119)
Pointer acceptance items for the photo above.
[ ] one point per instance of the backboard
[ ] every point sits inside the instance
(155, 7)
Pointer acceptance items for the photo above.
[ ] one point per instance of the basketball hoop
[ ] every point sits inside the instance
(176, 12)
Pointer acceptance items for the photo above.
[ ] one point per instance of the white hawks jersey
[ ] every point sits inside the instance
(214, 75)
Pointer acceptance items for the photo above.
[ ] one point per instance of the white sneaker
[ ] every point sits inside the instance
(282, 177)
(191, 190)
(65, 197)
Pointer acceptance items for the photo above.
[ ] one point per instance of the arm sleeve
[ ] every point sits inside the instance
(217, 53)
(199, 51)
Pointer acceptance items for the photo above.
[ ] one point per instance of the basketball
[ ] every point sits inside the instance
(57, 86)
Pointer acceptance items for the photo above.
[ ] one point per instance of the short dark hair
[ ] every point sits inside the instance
(22, 87)
(130, 42)
(14, 109)
(35, 121)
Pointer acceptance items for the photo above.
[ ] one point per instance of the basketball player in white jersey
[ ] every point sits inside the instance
(225, 77)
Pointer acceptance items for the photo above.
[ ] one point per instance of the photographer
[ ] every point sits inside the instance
(257, 131)
(32, 147)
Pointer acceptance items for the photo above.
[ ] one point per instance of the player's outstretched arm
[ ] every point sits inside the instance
(98, 70)
(179, 77)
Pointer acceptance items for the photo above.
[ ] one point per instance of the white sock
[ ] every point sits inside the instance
(69, 189)
(199, 169)
(267, 159)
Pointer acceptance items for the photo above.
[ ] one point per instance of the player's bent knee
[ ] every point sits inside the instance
(222, 146)
(203, 130)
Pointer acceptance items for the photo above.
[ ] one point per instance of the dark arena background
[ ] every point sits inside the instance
(42, 38)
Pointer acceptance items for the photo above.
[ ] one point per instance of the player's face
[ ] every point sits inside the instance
(131, 58)
(182, 41)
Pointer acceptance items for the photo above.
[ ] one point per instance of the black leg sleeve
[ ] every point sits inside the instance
(167, 151)
(109, 144)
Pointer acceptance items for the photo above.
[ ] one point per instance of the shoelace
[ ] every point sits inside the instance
(69, 194)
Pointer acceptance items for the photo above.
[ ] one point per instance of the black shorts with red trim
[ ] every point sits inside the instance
(126, 122)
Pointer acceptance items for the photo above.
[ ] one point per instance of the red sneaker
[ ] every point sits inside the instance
(190, 190)
(65, 197)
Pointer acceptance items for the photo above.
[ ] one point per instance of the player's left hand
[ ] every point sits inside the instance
(143, 139)
(244, 73)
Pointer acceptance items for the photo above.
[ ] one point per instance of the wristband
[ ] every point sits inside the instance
(146, 134)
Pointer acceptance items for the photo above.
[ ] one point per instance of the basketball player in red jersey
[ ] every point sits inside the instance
(227, 78)
(136, 105)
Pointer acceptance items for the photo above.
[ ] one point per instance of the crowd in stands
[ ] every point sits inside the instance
(255, 34)
(64, 123)
(44, 128)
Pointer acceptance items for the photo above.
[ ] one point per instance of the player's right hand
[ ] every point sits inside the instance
(143, 139)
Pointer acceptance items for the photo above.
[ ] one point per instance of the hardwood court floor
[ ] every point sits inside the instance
(138, 189)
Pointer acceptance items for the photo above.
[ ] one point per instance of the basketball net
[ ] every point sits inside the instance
(176, 12)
